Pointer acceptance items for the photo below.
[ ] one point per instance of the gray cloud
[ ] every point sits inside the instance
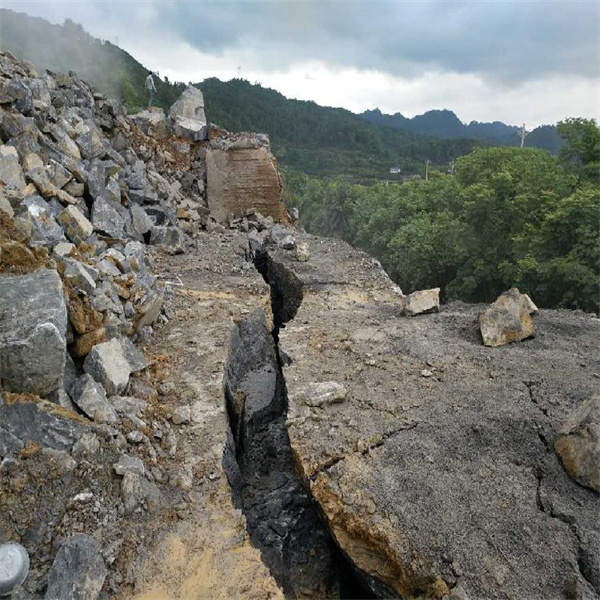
(501, 41)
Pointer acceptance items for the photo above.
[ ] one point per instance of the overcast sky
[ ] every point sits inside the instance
(516, 61)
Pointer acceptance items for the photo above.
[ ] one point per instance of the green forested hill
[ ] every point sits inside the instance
(325, 141)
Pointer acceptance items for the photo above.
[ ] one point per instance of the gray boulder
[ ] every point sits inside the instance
(45, 230)
(80, 276)
(168, 236)
(78, 571)
(77, 227)
(152, 122)
(39, 422)
(90, 397)
(110, 218)
(108, 364)
(33, 325)
(11, 172)
(187, 115)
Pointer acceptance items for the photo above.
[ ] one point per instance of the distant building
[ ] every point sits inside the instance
(395, 170)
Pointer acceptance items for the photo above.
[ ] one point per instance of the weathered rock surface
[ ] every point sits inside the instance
(187, 116)
(33, 325)
(423, 301)
(428, 483)
(108, 365)
(90, 397)
(44, 423)
(241, 175)
(578, 444)
(507, 319)
(78, 571)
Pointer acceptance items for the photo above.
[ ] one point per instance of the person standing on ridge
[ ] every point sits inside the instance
(150, 88)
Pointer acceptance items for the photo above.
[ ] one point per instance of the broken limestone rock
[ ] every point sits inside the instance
(90, 396)
(41, 422)
(187, 116)
(302, 252)
(320, 394)
(153, 122)
(78, 571)
(506, 320)
(423, 301)
(11, 173)
(77, 227)
(45, 230)
(33, 325)
(242, 175)
(108, 365)
(578, 444)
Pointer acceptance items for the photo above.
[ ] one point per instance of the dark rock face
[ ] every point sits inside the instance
(282, 520)
(78, 571)
(33, 325)
(39, 422)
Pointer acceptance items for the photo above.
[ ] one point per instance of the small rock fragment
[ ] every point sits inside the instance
(129, 464)
(323, 393)
(78, 571)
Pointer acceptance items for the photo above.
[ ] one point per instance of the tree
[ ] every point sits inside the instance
(581, 152)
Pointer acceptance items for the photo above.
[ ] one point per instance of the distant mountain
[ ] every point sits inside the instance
(445, 124)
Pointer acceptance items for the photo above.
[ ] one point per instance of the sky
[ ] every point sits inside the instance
(515, 61)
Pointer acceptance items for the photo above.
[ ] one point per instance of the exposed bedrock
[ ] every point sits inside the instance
(435, 468)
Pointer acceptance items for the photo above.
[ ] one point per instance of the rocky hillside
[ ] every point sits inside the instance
(198, 400)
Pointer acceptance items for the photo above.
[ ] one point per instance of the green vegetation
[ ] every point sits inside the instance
(323, 141)
(507, 217)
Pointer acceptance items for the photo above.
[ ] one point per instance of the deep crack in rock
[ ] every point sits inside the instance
(283, 519)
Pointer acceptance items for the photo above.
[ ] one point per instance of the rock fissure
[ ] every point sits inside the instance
(364, 451)
(282, 517)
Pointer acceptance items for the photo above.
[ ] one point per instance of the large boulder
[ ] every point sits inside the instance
(153, 122)
(33, 325)
(578, 444)
(506, 320)
(241, 175)
(187, 116)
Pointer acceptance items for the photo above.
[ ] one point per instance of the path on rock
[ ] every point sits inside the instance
(207, 552)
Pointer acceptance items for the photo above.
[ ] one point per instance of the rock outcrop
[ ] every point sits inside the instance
(242, 175)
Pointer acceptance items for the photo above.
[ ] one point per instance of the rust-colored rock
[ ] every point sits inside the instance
(87, 341)
(579, 444)
(506, 320)
(242, 174)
